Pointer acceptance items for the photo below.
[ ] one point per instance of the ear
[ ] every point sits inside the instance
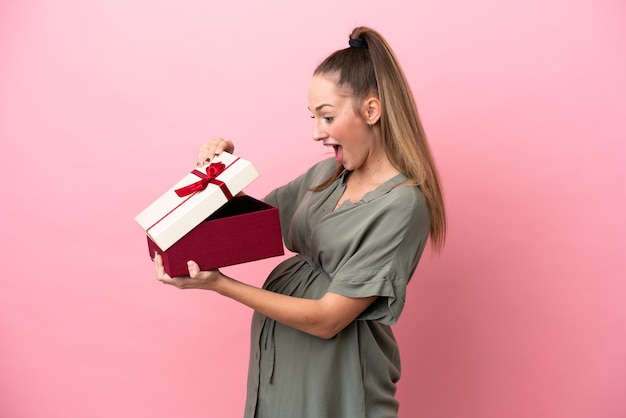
(372, 110)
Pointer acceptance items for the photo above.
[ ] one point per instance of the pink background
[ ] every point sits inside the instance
(103, 105)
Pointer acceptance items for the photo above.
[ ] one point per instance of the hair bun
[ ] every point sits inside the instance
(358, 43)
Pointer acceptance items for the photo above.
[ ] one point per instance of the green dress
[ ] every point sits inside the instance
(369, 248)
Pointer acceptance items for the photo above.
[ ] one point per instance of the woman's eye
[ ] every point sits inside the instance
(326, 118)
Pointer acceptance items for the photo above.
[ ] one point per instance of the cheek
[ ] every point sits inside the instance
(337, 131)
(344, 130)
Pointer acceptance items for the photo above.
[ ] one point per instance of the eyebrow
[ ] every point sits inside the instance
(318, 108)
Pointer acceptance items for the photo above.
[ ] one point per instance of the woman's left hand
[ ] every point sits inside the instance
(197, 279)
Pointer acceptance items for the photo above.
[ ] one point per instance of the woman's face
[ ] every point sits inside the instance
(338, 126)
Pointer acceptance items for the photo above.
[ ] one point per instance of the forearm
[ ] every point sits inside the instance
(323, 317)
(306, 315)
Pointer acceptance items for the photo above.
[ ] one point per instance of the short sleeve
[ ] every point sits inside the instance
(389, 233)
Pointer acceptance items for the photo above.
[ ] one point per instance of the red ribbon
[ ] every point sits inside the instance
(212, 171)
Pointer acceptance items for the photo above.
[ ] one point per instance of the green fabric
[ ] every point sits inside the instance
(369, 248)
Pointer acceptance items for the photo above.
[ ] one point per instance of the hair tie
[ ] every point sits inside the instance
(358, 43)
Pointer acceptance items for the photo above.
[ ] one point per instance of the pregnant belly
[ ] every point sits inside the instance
(300, 277)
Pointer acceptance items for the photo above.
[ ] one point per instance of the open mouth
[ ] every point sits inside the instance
(338, 153)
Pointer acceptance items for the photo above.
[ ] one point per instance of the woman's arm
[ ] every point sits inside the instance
(323, 317)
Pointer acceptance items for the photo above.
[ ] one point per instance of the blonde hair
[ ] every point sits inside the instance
(371, 67)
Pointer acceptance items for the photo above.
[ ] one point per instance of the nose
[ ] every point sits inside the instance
(318, 132)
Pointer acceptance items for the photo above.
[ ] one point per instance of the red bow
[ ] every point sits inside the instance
(212, 171)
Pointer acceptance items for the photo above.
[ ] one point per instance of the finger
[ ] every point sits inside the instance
(158, 264)
(228, 146)
(193, 268)
(209, 150)
(204, 154)
(159, 270)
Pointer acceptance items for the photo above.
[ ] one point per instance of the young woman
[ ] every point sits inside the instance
(322, 346)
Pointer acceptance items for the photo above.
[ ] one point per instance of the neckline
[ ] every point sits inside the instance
(380, 190)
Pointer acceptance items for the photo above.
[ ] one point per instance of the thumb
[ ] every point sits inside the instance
(193, 268)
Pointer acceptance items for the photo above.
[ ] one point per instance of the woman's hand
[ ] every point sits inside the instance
(213, 147)
(197, 279)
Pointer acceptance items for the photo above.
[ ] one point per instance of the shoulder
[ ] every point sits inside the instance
(405, 204)
(398, 196)
(411, 196)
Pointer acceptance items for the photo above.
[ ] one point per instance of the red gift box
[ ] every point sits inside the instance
(244, 229)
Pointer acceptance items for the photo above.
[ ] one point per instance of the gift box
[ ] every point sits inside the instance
(199, 219)
(244, 229)
(194, 198)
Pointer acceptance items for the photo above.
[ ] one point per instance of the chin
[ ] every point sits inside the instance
(348, 167)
